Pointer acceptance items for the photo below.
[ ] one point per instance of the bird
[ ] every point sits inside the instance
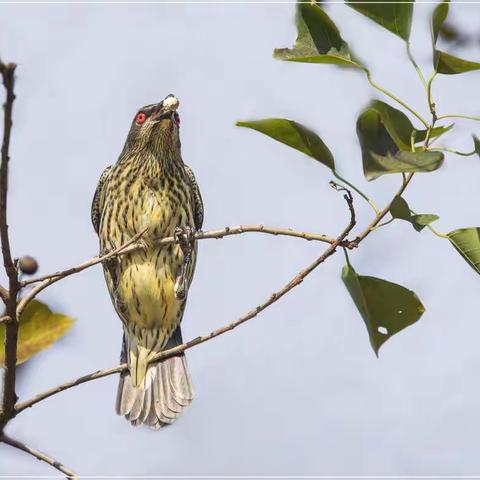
(150, 192)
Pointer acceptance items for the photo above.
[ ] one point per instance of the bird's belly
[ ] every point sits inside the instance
(147, 290)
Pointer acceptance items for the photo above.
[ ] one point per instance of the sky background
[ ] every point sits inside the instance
(298, 390)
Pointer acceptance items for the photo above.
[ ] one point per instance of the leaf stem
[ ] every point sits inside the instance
(468, 117)
(431, 104)
(437, 233)
(384, 223)
(415, 65)
(452, 150)
(353, 187)
(394, 97)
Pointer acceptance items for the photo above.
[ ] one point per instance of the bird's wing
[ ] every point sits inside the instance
(98, 199)
(197, 199)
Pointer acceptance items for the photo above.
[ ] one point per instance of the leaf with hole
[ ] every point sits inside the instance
(393, 15)
(318, 40)
(386, 308)
(381, 155)
(294, 135)
(467, 242)
(39, 328)
(400, 209)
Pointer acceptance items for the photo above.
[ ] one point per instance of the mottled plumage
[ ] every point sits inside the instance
(149, 188)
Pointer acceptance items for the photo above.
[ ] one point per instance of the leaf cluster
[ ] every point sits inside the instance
(389, 141)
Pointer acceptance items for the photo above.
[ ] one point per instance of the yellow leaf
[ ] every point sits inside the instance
(39, 329)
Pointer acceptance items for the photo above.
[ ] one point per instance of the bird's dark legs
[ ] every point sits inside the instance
(185, 236)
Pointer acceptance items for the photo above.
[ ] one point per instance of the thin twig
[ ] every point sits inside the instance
(8, 76)
(378, 218)
(11, 334)
(133, 245)
(39, 455)
(297, 280)
(220, 233)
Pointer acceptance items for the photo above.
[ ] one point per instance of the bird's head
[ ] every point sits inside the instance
(156, 127)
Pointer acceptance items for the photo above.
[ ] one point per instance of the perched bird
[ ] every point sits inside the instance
(150, 189)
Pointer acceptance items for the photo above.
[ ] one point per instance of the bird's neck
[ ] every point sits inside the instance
(153, 163)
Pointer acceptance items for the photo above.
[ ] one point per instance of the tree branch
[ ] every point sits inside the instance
(380, 215)
(294, 282)
(133, 245)
(8, 76)
(10, 298)
(39, 455)
(211, 234)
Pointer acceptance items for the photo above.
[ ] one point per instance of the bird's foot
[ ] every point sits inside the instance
(185, 236)
(180, 287)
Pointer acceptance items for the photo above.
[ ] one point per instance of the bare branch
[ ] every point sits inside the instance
(39, 455)
(131, 245)
(185, 346)
(10, 298)
(8, 75)
(380, 215)
(239, 229)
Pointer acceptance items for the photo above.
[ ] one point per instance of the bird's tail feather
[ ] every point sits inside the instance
(161, 397)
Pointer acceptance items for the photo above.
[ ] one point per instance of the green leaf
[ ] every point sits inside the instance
(386, 308)
(380, 153)
(436, 132)
(294, 135)
(396, 17)
(39, 329)
(467, 243)
(400, 209)
(400, 128)
(397, 124)
(438, 18)
(444, 62)
(318, 40)
(476, 144)
(450, 65)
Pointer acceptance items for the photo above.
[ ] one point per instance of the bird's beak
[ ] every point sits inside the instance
(166, 108)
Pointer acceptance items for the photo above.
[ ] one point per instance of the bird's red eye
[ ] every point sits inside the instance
(140, 118)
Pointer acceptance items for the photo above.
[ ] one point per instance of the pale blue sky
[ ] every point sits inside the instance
(298, 390)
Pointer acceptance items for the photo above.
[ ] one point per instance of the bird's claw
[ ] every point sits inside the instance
(185, 237)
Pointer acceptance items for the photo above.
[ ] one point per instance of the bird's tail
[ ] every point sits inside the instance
(154, 394)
